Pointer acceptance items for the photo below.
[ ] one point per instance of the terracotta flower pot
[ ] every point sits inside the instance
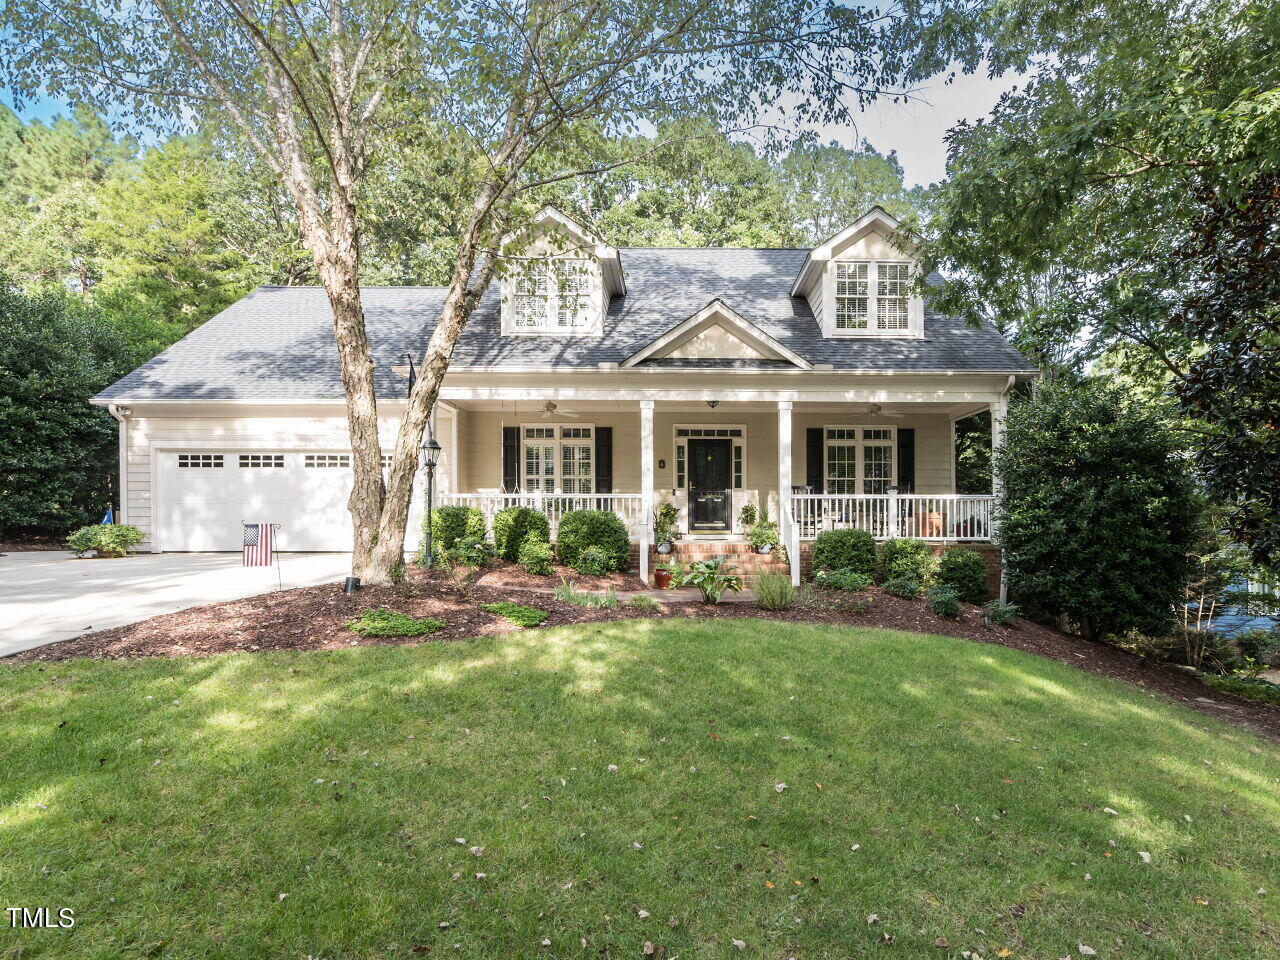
(662, 579)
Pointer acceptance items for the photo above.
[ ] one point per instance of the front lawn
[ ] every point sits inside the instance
(460, 800)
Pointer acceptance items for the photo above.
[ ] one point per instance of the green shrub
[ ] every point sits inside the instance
(999, 612)
(647, 604)
(592, 562)
(1253, 689)
(711, 577)
(580, 529)
(907, 559)
(943, 600)
(775, 591)
(845, 550)
(536, 557)
(845, 578)
(903, 587)
(1098, 513)
(581, 598)
(513, 527)
(451, 524)
(1258, 645)
(382, 622)
(966, 571)
(517, 613)
(467, 552)
(109, 539)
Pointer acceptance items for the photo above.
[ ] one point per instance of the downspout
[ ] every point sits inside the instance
(122, 415)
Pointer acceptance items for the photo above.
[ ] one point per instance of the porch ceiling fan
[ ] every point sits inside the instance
(552, 409)
(876, 410)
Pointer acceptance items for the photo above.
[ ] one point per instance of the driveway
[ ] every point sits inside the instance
(50, 596)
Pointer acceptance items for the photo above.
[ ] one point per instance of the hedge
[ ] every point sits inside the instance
(580, 529)
(845, 550)
(907, 559)
(966, 571)
(513, 527)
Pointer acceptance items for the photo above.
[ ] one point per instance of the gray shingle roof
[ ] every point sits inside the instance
(277, 343)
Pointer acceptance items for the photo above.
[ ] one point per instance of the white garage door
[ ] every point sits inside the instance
(204, 498)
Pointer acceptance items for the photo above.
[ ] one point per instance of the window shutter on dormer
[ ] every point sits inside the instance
(511, 459)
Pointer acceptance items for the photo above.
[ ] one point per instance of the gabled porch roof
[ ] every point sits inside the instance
(740, 341)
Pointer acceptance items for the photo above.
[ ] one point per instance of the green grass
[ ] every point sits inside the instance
(517, 613)
(172, 803)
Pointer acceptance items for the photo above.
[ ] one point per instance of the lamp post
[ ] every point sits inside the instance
(430, 456)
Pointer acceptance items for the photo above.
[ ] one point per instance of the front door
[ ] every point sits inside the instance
(710, 499)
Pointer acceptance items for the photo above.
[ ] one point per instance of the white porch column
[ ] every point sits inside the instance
(784, 486)
(999, 410)
(646, 484)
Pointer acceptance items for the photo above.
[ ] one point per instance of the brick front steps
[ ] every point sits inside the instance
(750, 564)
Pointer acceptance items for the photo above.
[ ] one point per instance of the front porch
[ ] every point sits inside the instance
(886, 468)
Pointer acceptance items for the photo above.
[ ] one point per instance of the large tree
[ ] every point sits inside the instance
(321, 91)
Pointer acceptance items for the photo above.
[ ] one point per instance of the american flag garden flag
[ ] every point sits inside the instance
(258, 544)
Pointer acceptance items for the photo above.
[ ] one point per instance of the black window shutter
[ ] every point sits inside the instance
(604, 459)
(906, 460)
(511, 459)
(813, 460)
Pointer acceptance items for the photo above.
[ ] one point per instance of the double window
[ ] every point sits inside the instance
(552, 296)
(872, 296)
(860, 460)
(558, 459)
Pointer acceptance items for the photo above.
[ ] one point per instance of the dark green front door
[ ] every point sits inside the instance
(710, 499)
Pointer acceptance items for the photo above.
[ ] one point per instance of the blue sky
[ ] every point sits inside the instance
(914, 129)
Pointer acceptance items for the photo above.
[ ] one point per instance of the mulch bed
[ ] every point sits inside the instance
(314, 618)
(33, 543)
(513, 576)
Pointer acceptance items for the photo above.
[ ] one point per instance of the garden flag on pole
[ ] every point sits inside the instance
(258, 544)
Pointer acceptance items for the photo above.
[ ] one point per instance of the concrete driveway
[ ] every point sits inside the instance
(50, 596)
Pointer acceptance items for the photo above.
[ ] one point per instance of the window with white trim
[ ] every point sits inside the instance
(255, 461)
(860, 460)
(552, 296)
(558, 459)
(199, 461)
(871, 296)
(326, 461)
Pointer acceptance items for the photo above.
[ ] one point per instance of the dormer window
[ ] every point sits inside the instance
(872, 296)
(552, 296)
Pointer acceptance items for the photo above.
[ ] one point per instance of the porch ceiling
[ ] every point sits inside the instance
(534, 407)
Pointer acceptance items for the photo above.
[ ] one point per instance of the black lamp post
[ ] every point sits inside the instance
(430, 456)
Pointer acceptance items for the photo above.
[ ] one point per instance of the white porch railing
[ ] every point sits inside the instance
(885, 516)
(628, 506)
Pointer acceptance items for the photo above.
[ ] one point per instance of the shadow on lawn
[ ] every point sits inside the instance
(972, 777)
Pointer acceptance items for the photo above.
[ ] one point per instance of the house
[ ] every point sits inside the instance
(812, 383)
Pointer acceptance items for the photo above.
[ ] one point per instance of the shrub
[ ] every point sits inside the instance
(1253, 689)
(381, 622)
(580, 529)
(999, 612)
(1258, 645)
(907, 559)
(711, 577)
(966, 571)
(845, 578)
(943, 600)
(467, 552)
(581, 598)
(517, 613)
(903, 587)
(513, 527)
(1201, 649)
(845, 550)
(775, 591)
(647, 604)
(1097, 512)
(592, 562)
(451, 524)
(536, 557)
(109, 539)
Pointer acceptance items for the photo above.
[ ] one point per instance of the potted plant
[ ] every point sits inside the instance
(763, 537)
(664, 527)
(747, 516)
(663, 573)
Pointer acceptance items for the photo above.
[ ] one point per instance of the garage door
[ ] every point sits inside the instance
(204, 498)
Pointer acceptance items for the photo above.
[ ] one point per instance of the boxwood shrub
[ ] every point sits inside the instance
(966, 571)
(108, 539)
(513, 527)
(580, 529)
(451, 524)
(845, 550)
(907, 559)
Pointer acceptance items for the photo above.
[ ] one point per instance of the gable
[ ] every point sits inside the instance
(716, 332)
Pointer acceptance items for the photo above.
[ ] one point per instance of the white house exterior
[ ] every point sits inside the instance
(810, 382)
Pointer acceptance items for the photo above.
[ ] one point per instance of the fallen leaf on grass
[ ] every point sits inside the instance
(740, 944)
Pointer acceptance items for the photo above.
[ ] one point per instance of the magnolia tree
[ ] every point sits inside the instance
(321, 91)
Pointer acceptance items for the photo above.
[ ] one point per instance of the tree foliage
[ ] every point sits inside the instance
(1097, 510)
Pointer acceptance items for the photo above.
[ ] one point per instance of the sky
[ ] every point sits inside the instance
(914, 129)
